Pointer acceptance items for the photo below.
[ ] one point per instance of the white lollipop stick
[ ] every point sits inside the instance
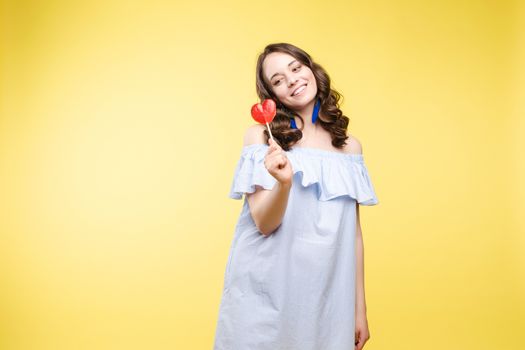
(270, 131)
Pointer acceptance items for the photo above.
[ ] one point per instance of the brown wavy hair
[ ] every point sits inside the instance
(331, 118)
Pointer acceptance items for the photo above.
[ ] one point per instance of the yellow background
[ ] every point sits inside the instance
(121, 124)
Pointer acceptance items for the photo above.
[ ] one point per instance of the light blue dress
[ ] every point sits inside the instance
(295, 289)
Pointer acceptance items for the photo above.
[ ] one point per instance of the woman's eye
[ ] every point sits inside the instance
(298, 67)
(276, 82)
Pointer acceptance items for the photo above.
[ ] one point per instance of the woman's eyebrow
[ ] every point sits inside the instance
(289, 64)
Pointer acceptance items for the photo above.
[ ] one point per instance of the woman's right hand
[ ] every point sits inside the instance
(278, 164)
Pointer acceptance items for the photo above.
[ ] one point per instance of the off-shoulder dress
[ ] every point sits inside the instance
(295, 289)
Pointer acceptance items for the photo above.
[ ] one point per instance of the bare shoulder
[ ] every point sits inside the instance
(254, 134)
(353, 145)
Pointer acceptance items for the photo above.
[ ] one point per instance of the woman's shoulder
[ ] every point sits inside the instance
(353, 145)
(254, 134)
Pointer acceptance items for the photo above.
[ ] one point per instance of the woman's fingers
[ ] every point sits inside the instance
(277, 155)
(275, 158)
(273, 147)
(283, 162)
(274, 153)
(277, 161)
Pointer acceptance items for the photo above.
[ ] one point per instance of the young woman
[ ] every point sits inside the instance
(294, 278)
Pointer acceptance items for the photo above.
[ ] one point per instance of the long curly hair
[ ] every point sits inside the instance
(331, 118)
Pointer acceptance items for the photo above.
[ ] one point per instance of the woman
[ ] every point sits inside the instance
(294, 278)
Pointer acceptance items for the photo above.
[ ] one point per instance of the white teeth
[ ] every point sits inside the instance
(299, 90)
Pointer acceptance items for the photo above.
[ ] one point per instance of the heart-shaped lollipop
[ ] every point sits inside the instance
(264, 113)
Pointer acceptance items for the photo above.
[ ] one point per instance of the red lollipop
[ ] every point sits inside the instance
(264, 113)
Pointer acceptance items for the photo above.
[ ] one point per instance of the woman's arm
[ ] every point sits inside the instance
(353, 146)
(267, 207)
(362, 333)
(360, 306)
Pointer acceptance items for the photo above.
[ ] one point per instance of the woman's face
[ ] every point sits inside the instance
(292, 82)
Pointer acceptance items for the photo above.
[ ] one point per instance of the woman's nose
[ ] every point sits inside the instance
(292, 81)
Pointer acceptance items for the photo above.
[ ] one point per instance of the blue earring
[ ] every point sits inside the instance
(315, 115)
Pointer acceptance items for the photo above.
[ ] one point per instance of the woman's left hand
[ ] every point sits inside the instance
(361, 331)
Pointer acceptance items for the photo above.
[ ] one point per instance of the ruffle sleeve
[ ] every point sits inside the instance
(250, 171)
(333, 174)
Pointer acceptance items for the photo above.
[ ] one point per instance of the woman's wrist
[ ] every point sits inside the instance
(285, 185)
(360, 309)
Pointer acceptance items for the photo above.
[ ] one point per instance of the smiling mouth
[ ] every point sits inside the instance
(302, 88)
